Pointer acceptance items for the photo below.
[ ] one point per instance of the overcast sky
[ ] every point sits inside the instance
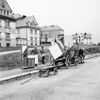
(74, 16)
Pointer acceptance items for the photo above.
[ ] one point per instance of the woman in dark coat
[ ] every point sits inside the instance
(81, 55)
(43, 55)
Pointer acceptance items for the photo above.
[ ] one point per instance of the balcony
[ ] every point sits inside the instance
(45, 43)
(11, 18)
(19, 37)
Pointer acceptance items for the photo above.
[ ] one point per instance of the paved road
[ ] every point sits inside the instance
(78, 83)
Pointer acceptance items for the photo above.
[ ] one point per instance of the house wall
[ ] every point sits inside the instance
(22, 33)
(83, 39)
(10, 30)
(51, 35)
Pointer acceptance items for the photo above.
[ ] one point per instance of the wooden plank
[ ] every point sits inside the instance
(43, 67)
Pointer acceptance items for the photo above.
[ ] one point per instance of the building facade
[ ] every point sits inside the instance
(7, 25)
(50, 33)
(82, 38)
(28, 31)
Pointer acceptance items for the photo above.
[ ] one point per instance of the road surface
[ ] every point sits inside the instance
(78, 83)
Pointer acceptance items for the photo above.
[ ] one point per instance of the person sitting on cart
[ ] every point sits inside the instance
(42, 55)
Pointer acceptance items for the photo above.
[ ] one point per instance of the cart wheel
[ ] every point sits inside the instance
(40, 73)
(67, 64)
(47, 72)
(55, 71)
(76, 63)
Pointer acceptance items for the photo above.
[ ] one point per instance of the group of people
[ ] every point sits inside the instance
(40, 52)
(71, 53)
(75, 53)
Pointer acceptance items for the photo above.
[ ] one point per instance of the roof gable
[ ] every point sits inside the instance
(5, 6)
(51, 28)
(23, 21)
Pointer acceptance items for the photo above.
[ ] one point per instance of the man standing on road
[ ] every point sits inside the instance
(81, 55)
(43, 55)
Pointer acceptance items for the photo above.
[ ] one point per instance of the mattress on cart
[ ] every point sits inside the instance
(55, 51)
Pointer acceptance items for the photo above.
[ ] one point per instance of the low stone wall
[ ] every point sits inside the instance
(2, 49)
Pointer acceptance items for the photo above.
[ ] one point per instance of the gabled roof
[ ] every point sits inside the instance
(51, 28)
(22, 21)
(5, 6)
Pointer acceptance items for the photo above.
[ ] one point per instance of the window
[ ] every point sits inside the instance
(35, 40)
(35, 32)
(4, 12)
(31, 30)
(46, 38)
(7, 13)
(18, 31)
(31, 38)
(3, 6)
(7, 24)
(7, 35)
(31, 43)
(7, 44)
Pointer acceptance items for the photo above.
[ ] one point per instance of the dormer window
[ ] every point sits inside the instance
(33, 21)
(31, 24)
(3, 3)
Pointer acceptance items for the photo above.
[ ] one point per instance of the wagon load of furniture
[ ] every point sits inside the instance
(59, 56)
